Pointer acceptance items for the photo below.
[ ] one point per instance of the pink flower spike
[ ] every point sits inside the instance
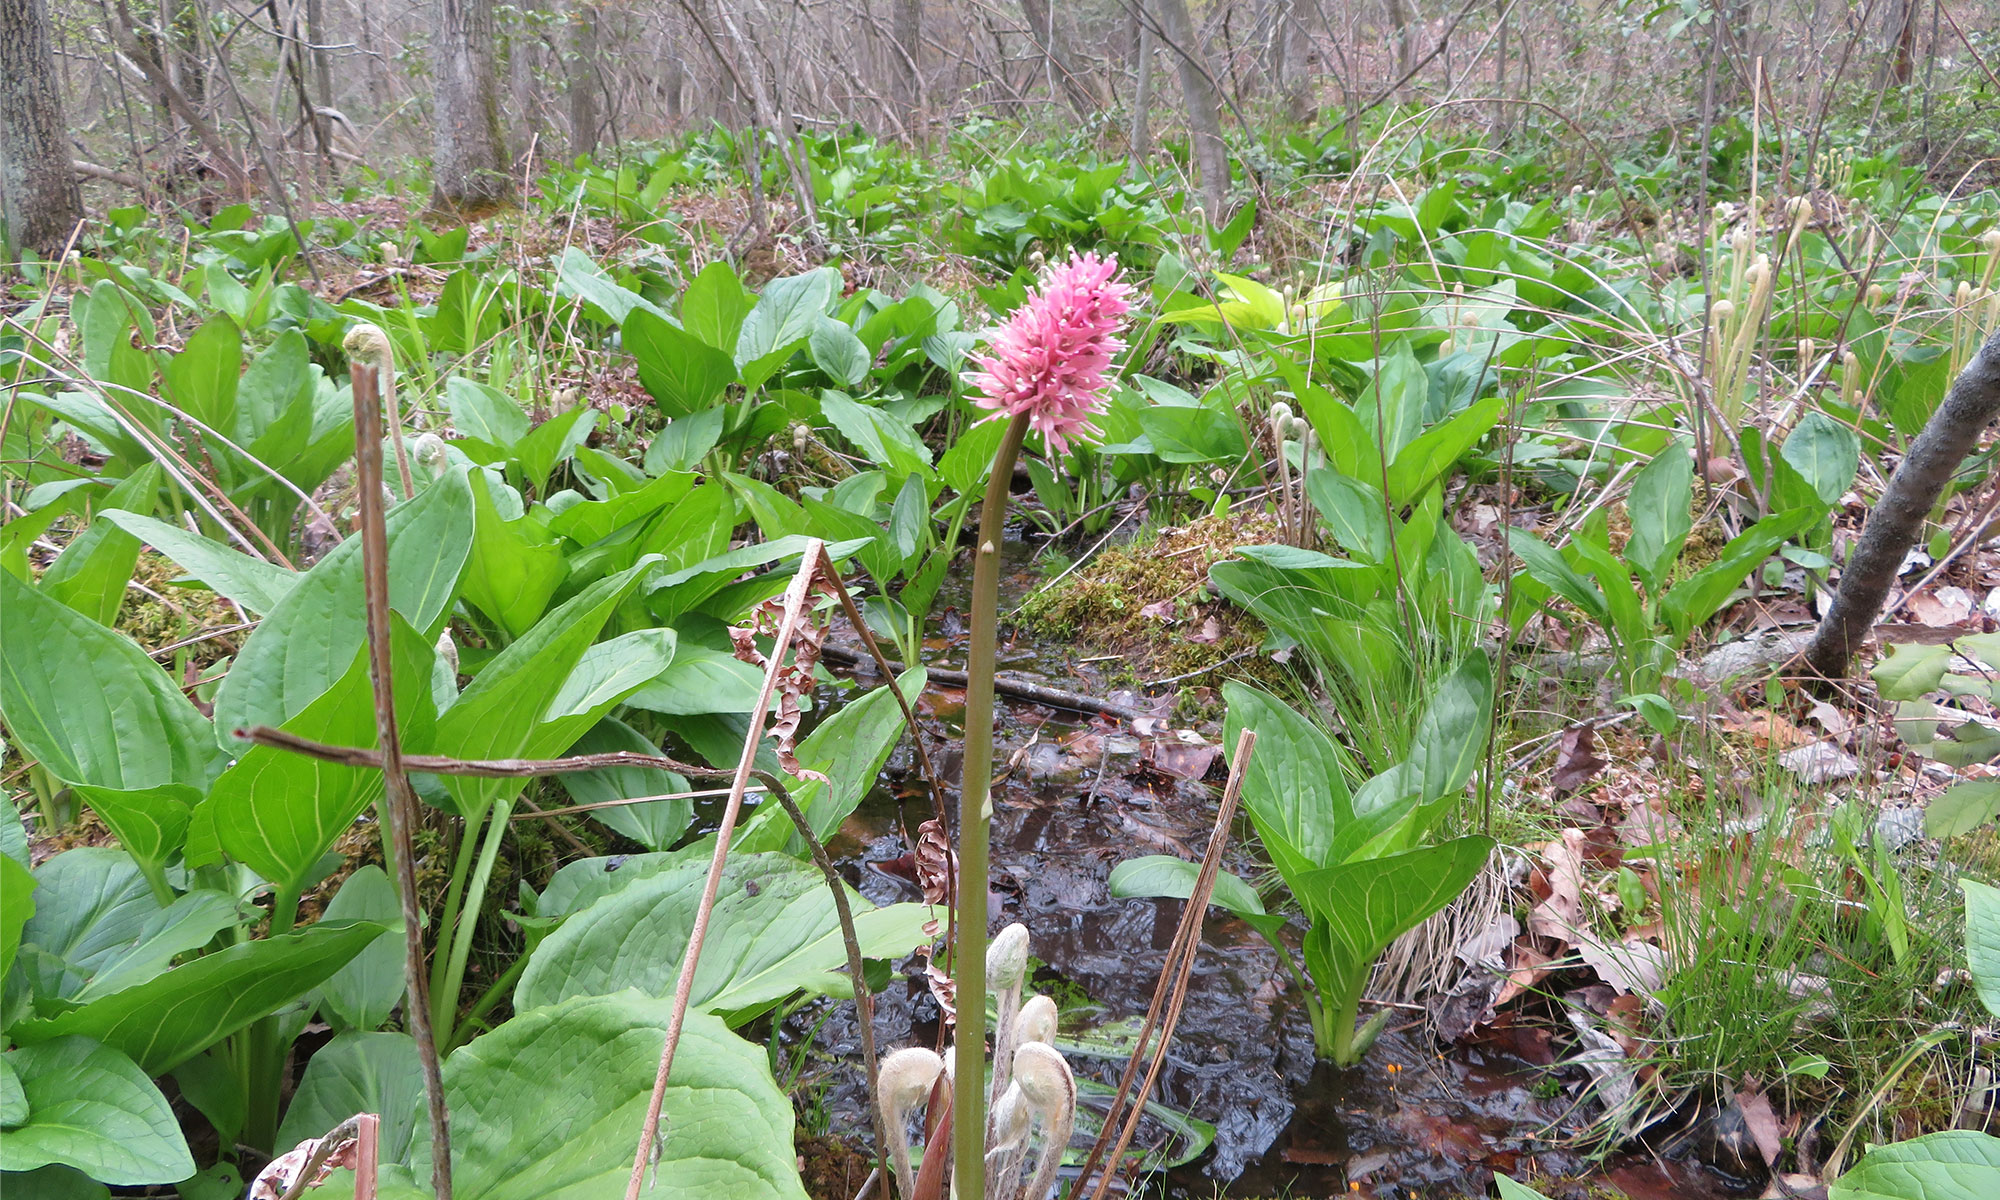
(1049, 360)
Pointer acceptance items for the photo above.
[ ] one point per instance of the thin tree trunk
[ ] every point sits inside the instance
(1142, 96)
(906, 28)
(583, 67)
(1952, 433)
(40, 203)
(469, 166)
(1063, 75)
(1204, 106)
(322, 63)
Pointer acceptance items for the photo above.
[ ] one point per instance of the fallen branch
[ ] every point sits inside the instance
(90, 170)
(1008, 685)
(1898, 518)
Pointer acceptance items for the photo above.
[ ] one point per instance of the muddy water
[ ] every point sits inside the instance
(1076, 796)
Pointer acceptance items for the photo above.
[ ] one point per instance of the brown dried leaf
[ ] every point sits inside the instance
(1762, 1122)
(1577, 762)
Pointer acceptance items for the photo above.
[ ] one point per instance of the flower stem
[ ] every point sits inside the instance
(975, 812)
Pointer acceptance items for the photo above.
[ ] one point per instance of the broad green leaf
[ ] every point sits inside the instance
(89, 704)
(276, 382)
(581, 277)
(1958, 1164)
(681, 372)
(714, 305)
(592, 520)
(1660, 508)
(209, 1082)
(312, 637)
(838, 353)
(17, 904)
(91, 1108)
(174, 1016)
(1452, 735)
(151, 823)
(1391, 407)
(1295, 789)
(485, 413)
(522, 704)
(251, 582)
(881, 438)
(354, 1073)
(515, 566)
(849, 748)
(785, 316)
(91, 573)
(202, 379)
(685, 441)
(278, 812)
(1701, 595)
(1162, 875)
(772, 933)
(189, 923)
(1982, 940)
(1434, 452)
(1510, 1190)
(1825, 453)
(1546, 564)
(968, 462)
(551, 442)
(1192, 435)
(1910, 669)
(656, 824)
(362, 994)
(1964, 807)
(1354, 513)
(1359, 907)
(90, 904)
(56, 1183)
(13, 1100)
(545, 1108)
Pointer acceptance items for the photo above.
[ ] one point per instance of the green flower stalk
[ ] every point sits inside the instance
(1046, 372)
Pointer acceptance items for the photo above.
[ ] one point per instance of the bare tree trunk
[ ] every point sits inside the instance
(906, 28)
(469, 168)
(1204, 106)
(1404, 22)
(322, 65)
(582, 72)
(1903, 36)
(1042, 27)
(1142, 95)
(1951, 433)
(1290, 48)
(39, 200)
(371, 45)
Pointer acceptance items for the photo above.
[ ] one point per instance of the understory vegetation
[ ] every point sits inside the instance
(1447, 534)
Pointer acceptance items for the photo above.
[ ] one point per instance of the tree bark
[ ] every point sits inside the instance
(583, 118)
(1041, 17)
(1952, 433)
(469, 167)
(40, 203)
(906, 28)
(1204, 106)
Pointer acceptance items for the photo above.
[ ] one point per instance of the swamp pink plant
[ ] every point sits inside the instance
(1047, 369)
(1048, 362)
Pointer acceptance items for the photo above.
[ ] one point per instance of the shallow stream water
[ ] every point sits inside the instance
(1074, 796)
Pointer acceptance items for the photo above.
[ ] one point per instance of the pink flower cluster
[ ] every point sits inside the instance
(1049, 359)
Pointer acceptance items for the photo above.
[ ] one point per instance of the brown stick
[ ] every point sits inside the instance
(1897, 520)
(890, 670)
(794, 612)
(864, 1000)
(1170, 992)
(1006, 685)
(401, 805)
